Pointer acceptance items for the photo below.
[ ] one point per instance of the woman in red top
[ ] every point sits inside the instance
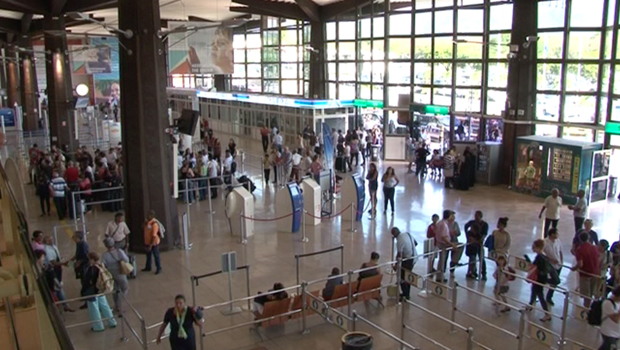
(430, 233)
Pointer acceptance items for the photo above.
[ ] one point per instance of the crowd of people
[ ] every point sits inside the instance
(70, 178)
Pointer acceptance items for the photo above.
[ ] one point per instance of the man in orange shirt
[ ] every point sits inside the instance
(152, 240)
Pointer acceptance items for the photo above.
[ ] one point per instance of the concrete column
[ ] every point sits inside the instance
(147, 150)
(29, 87)
(59, 88)
(12, 78)
(520, 107)
(317, 61)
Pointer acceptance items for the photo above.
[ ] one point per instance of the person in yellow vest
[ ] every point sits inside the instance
(151, 241)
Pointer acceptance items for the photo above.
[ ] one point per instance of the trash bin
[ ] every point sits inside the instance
(357, 341)
(374, 153)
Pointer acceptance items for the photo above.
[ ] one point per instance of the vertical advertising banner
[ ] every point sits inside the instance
(199, 49)
(328, 145)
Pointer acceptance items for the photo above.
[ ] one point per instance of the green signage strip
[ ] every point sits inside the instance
(612, 128)
(430, 109)
(368, 103)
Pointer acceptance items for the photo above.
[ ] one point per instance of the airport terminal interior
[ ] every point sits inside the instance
(254, 151)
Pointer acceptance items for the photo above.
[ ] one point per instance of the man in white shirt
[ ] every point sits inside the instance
(610, 321)
(277, 141)
(228, 160)
(580, 210)
(347, 158)
(205, 157)
(444, 240)
(553, 251)
(296, 173)
(552, 204)
(213, 170)
(405, 246)
(111, 157)
(117, 230)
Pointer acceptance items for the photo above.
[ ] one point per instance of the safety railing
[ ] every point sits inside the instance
(298, 257)
(76, 199)
(195, 281)
(453, 327)
(357, 318)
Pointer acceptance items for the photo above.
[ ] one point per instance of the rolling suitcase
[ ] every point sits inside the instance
(132, 261)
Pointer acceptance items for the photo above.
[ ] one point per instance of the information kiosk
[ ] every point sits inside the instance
(312, 201)
(289, 200)
(240, 201)
(353, 192)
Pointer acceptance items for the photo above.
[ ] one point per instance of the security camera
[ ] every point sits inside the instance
(531, 39)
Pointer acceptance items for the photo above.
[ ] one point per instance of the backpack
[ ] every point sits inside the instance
(233, 167)
(595, 315)
(105, 281)
(162, 229)
(552, 273)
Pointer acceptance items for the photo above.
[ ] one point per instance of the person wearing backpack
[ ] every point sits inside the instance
(610, 320)
(540, 277)
(153, 233)
(98, 280)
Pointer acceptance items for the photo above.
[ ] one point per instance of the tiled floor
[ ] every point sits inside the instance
(270, 255)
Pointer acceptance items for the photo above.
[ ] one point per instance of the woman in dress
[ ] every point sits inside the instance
(501, 238)
(181, 319)
(390, 181)
(373, 186)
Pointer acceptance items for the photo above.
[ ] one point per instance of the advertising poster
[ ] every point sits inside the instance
(91, 59)
(107, 87)
(529, 170)
(203, 51)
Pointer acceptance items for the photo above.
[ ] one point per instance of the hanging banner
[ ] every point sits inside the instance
(328, 146)
(202, 51)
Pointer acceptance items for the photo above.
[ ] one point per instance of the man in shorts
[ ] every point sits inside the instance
(588, 265)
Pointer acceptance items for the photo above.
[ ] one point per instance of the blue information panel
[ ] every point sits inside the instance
(9, 116)
(361, 196)
(297, 200)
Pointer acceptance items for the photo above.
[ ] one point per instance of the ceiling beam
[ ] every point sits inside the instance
(310, 8)
(274, 8)
(334, 9)
(57, 6)
(25, 6)
(265, 12)
(10, 25)
(26, 21)
(89, 5)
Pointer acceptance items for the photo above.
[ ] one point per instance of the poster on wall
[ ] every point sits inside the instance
(203, 51)
(91, 59)
(529, 169)
(107, 88)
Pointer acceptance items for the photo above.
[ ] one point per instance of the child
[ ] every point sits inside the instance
(502, 275)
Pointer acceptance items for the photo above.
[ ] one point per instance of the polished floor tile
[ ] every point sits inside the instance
(270, 255)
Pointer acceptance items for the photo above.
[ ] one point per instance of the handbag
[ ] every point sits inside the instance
(126, 268)
(532, 274)
(392, 289)
(490, 242)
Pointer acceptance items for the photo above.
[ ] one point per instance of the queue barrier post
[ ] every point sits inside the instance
(402, 326)
(521, 329)
(353, 209)
(389, 270)
(562, 341)
(145, 343)
(470, 338)
(399, 266)
(304, 313)
(349, 297)
(187, 200)
(124, 339)
(244, 239)
(453, 308)
(303, 239)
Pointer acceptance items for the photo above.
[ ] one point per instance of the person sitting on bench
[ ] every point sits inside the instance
(331, 284)
(260, 300)
(374, 261)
